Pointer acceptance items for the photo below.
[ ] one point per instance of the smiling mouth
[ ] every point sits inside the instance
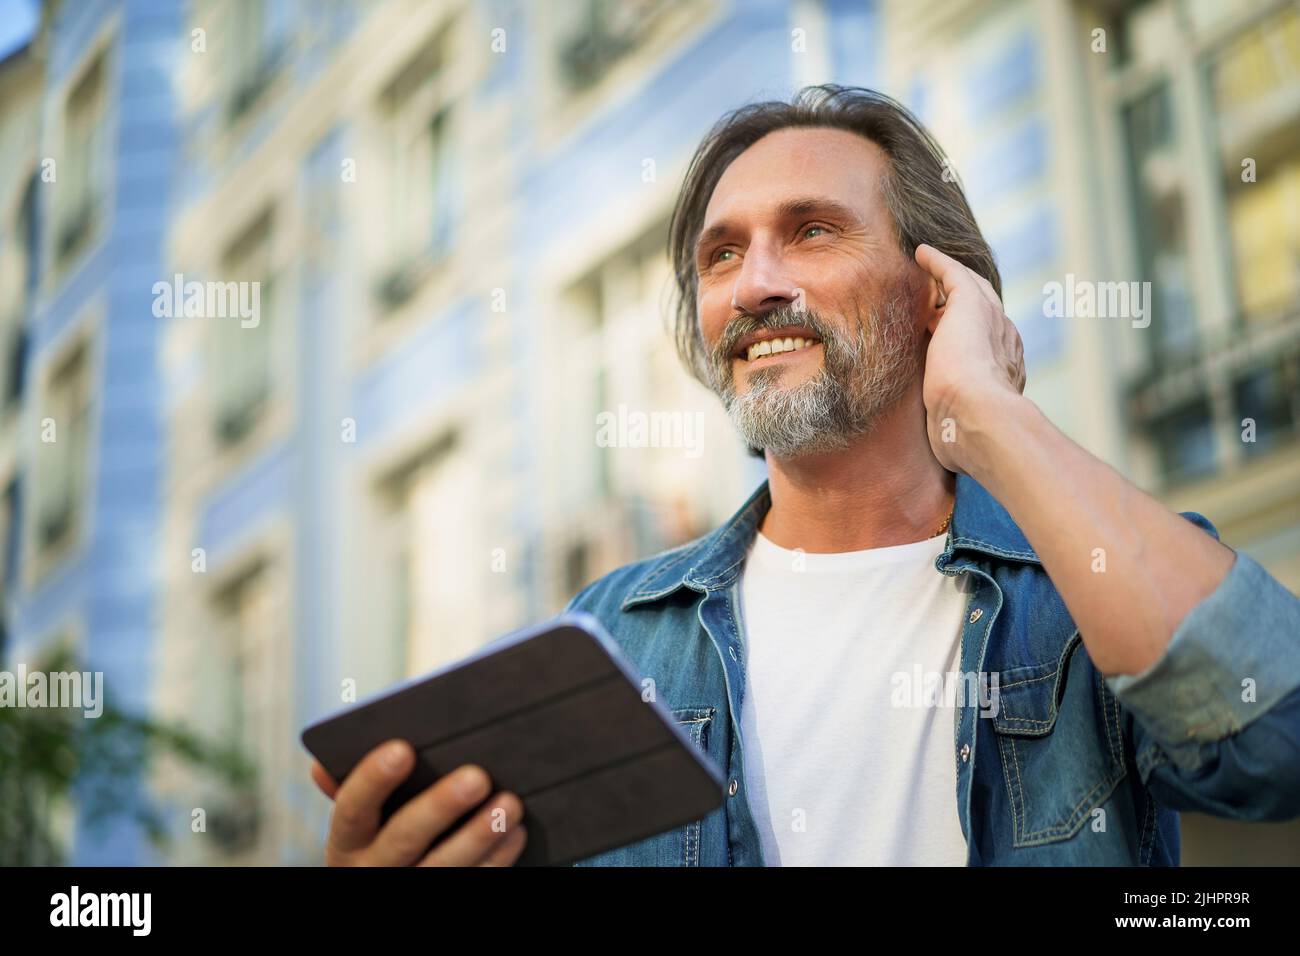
(771, 348)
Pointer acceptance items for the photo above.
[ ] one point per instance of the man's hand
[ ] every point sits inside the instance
(356, 839)
(975, 355)
(1128, 569)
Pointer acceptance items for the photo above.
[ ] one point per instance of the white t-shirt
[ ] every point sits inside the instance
(845, 761)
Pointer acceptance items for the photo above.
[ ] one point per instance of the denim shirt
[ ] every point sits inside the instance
(1070, 767)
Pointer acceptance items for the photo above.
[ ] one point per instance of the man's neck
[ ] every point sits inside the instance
(885, 489)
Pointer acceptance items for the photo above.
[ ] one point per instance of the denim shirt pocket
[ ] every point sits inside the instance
(1061, 745)
(679, 847)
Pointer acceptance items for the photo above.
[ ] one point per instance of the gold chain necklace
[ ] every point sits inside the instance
(946, 521)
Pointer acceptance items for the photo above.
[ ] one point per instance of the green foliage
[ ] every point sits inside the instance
(46, 752)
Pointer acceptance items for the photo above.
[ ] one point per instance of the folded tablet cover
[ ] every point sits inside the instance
(554, 715)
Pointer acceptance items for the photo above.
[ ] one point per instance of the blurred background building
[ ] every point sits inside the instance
(456, 213)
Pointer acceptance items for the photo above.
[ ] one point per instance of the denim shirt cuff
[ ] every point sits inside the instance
(1233, 656)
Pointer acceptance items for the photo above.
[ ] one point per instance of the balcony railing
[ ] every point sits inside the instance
(609, 31)
(1219, 382)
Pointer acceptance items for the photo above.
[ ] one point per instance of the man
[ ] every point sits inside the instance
(1114, 662)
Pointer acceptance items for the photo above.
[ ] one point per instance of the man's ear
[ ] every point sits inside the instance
(931, 298)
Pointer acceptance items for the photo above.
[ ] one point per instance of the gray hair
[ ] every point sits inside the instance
(923, 197)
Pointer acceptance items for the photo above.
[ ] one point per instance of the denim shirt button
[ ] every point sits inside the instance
(965, 752)
(976, 614)
(735, 785)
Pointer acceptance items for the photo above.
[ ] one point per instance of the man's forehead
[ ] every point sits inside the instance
(834, 163)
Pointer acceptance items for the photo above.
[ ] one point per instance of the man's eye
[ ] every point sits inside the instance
(811, 228)
(721, 252)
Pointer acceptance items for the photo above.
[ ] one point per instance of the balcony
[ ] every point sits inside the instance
(608, 33)
(74, 229)
(247, 90)
(1243, 384)
(401, 280)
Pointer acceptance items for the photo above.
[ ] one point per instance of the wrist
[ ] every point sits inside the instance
(992, 429)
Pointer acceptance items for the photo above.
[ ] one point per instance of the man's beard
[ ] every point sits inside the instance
(861, 376)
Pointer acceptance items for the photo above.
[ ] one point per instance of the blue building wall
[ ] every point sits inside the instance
(108, 589)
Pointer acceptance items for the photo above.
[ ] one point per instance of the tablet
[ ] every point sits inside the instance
(554, 714)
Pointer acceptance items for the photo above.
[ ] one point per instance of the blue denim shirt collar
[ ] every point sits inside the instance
(979, 525)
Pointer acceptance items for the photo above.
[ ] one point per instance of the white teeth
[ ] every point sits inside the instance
(773, 346)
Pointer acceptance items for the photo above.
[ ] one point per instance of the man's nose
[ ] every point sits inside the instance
(763, 283)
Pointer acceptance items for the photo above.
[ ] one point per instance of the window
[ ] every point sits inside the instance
(435, 561)
(1208, 98)
(1185, 441)
(10, 521)
(240, 351)
(416, 116)
(1161, 224)
(600, 33)
(628, 426)
(1269, 396)
(15, 364)
(17, 277)
(240, 684)
(81, 167)
(1255, 89)
(258, 37)
(62, 450)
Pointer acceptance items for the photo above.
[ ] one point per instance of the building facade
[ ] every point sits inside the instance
(443, 415)
(83, 452)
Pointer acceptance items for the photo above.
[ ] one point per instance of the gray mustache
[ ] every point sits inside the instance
(776, 319)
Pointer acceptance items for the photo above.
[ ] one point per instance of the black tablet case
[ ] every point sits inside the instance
(555, 716)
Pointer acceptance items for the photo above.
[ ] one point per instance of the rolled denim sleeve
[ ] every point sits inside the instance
(1217, 717)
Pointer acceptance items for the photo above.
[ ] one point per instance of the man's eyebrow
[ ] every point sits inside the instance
(787, 209)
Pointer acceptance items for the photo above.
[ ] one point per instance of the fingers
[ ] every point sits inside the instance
(947, 271)
(1013, 348)
(359, 800)
(509, 849)
(422, 819)
(932, 260)
(323, 780)
(479, 838)
(957, 278)
(953, 275)
(986, 288)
